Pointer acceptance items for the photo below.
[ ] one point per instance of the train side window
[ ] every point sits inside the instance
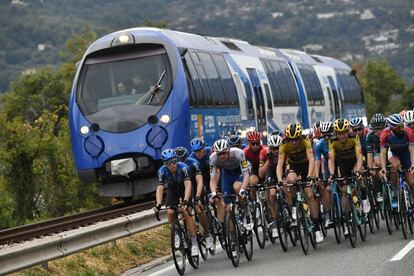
(203, 78)
(213, 79)
(269, 101)
(191, 88)
(198, 92)
(273, 84)
(312, 85)
(249, 100)
(226, 79)
(290, 80)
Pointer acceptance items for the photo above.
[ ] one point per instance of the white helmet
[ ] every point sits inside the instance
(409, 116)
(221, 145)
(274, 141)
(327, 127)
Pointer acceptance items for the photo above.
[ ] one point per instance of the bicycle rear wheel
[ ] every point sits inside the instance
(232, 238)
(350, 221)
(259, 226)
(302, 229)
(201, 240)
(178, 248)
(403, 214)
(247, 238)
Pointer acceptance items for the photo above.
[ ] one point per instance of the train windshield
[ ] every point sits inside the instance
(120, 91)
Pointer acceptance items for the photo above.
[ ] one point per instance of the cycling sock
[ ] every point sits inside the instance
(193, 240)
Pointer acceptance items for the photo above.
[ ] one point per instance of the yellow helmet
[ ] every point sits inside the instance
(293, 131)
(341, 124)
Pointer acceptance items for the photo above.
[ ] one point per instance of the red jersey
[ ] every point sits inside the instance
(396, 143)
(253, 158)
(272, 159)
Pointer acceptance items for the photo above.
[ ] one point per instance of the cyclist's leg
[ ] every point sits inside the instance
(346, 168)
(395, 166)
(271, 177)
(171, 203)
(253, 181)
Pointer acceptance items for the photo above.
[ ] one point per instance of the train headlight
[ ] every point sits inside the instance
(123, 39)
(84, 130)
(165, 119)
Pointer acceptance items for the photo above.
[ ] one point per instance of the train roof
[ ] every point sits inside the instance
(222, 44)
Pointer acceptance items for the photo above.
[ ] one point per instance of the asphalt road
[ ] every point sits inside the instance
(373, 257)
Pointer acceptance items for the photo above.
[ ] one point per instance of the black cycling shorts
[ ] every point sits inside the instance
(346, 167)
(301, 169)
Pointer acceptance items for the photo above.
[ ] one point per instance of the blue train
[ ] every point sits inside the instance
(140, 90)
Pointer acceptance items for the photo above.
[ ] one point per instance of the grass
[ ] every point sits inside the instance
(111, 258)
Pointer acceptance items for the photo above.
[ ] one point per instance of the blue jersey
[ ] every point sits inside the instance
(322, 149)
(203, 162)
(174, 181)
(194, 166)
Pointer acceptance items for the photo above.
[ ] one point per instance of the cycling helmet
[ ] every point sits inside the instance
(276, 132)
(235, 140)
(395, 120)
(409, 116)
(274, 141)
(356, 121)
(253, 136)
(196, 144)
(168, 154)
(378, 121)
(341, 124)
(293, 131)
(317, 125)
(220, 146)
(326, 128)
(182, 153)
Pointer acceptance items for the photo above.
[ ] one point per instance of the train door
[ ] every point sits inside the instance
(259, 100)
(337, 107)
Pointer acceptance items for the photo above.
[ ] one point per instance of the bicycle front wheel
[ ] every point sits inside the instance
(178, 248)
(350, 221)
(302, 229)
(232, 238)
(336, 218)
(259, 226)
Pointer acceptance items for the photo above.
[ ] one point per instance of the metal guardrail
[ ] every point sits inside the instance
(38, 251)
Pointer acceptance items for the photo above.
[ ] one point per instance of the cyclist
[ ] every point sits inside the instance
(235, 141)
(400, 141)
(252, 154)
(378, 124)
(235, 175)
(345, 149)
(175, 177)
(299, 153)
(409, 119)
(201, 153)
(322, 157)
(357, 126)
(198, 189)
(267, 170)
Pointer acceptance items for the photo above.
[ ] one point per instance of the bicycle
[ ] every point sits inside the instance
(321, 215)
(263, 220)
(180, 243)
(237, 237)
(352, 211)
(375, 205)
(404, 203)
(336, 209)
(305, 227)
(283, 218)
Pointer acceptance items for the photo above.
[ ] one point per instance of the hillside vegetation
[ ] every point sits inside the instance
(34, 32)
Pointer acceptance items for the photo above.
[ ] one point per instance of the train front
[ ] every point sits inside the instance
(129, 101)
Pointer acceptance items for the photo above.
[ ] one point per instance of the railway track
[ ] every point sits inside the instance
(65, 223)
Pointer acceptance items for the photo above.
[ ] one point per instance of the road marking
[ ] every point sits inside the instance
(403, 252)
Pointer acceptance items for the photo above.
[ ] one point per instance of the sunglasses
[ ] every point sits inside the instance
(340, 133)
(398, 128)
(255, 144)
(294, 139)
(358, 129)
(274, 148)
(379, 128)
(410, 124)
(221, 153)
(171, 162)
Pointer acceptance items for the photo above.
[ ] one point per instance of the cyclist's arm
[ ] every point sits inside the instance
(359, 156)
(410, 134)
(245, 172)
(383, 155)
(331, 161)
(309, 154)
(280, 165)
(411, 149)
(187, 186)
(214, 177)
(160, 188)
(263, 168)
(317, 160)
(198, 179)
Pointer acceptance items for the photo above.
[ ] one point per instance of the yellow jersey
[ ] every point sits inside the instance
(345, 151)
(296, 154)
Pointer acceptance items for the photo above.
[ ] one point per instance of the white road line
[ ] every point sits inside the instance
(403, 252)
(165, 269)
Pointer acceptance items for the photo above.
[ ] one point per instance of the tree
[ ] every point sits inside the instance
(383, 88)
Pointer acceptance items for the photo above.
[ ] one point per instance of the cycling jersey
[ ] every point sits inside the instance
(373, 143)
(194, 166)
(232, 170)
(345, 151)
(322, 149)
(398, 145)
(296, 154)
(253, 158)
(203, 162)
(271, 169)
(174, 182)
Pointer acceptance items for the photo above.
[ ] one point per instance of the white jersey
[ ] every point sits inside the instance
(236, 161)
